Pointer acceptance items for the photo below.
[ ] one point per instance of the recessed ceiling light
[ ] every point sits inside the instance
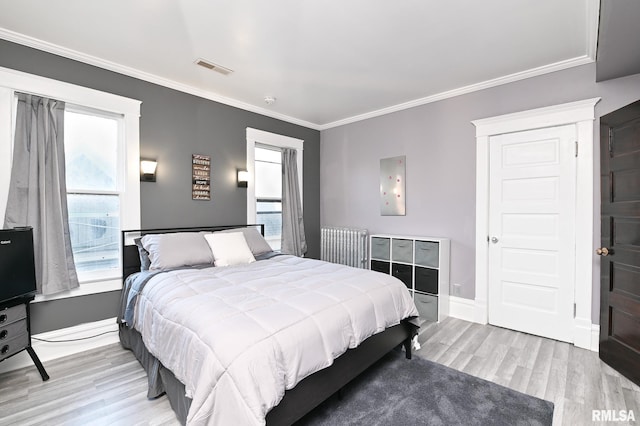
(213, 67)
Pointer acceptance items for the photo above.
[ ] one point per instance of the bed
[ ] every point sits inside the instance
(249, 343)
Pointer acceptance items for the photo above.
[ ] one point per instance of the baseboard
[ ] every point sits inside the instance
(481, 312)
(595, 337)
(49, 351)
(587, 335)
(463, 309)
(582, 336)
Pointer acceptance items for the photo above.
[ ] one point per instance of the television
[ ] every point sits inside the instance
(17, 267)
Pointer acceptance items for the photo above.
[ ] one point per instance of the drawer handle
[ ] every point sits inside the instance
(3, 334)
(4, 349)
(3, 318)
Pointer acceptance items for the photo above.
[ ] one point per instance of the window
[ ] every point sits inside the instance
(91, 144)
(264, 191)
(102, 152)
(268, 185)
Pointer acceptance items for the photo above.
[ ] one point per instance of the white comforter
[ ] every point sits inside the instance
(238, 336)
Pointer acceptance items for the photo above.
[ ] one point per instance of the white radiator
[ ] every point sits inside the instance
(345, 246)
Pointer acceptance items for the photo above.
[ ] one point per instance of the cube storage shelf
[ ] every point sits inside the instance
(421, 263)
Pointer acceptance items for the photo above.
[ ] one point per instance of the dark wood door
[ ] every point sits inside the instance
(620, 250)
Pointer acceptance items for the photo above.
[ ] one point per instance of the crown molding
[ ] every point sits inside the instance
(142, 75)
(593, 9)
(593, 27)
(534, 72)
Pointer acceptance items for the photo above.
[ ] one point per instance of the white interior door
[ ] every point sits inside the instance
(532, 198)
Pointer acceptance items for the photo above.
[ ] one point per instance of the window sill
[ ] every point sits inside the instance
(84, 289)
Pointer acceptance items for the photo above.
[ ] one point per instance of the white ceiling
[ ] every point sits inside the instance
(327, 62)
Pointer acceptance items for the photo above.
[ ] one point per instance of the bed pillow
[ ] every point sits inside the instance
(177, 249)
(229, 248)
(145, 262)
(256, 242)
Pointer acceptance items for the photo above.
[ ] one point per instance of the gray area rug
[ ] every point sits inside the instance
(397, 391)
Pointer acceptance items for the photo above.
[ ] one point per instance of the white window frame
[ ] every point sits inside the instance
(260, 137)
(274, 239)
(12, 81)
(89, 277)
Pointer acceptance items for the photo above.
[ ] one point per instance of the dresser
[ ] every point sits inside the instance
(15, 333)
(421, 263)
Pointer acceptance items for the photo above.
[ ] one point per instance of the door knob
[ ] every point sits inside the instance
(494, 240)
(603, 251)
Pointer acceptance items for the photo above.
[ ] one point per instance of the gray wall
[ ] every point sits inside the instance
(173, 126)
(439, 142)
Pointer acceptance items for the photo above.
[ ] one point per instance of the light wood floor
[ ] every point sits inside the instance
(574, 379)
(107, 386)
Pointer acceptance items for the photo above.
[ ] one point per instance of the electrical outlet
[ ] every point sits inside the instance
(456, 289)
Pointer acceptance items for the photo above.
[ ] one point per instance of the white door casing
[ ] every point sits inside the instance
(582, 115)
(532, 231)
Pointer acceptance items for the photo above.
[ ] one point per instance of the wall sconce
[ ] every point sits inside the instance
(243, 178)
(148, 170)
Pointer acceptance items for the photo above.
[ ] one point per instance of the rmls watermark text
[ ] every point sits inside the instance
(613, 416)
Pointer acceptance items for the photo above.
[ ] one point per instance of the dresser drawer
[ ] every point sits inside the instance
(8, 332)
(427, 306)
(380, 248)
(380, 266)
(12, 346)
(427, 253)
(12, 314)
(404, 273)
(427, 280)
(402, 250)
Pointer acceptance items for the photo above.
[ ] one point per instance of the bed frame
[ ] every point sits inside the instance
(308, 393)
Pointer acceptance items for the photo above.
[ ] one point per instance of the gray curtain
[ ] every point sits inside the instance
(293, 239)
(38, 193)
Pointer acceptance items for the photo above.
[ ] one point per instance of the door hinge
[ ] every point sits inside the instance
(575, 308)
(576, 148)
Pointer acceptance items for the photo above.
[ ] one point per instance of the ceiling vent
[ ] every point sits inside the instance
(214, 67)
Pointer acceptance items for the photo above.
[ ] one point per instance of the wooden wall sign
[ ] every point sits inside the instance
(201, 182)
